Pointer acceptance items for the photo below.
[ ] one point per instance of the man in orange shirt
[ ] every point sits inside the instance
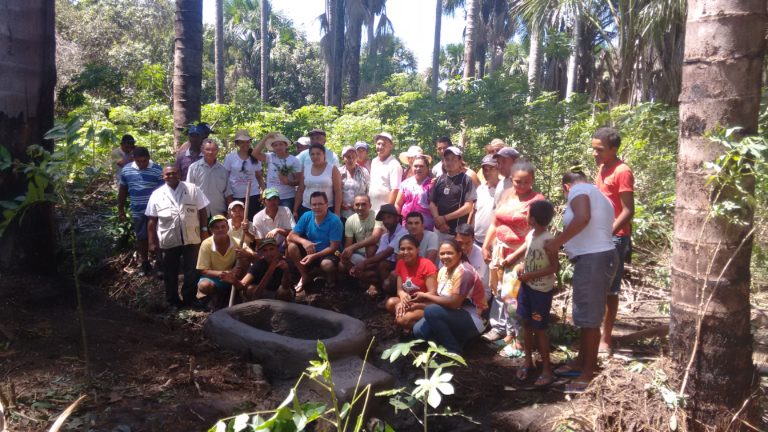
(616, 182)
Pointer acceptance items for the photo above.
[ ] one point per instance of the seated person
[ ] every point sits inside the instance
(274, 221)
(414, 273)
(465, 236)
(376, 270)
(216, 261)
(238, 227)
(316, 240)
(361, 234)
(268, 277)
(414, 223)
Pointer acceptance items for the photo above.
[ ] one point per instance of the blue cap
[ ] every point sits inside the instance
(195, 130)
(361, 144)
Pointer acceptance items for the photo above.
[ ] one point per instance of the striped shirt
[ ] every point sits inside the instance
(141, 183)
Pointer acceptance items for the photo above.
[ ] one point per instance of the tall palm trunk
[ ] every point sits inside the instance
(352, 54)
(219, 51)
(436, 47)
(534, 59)
(28, 59)
(711, 256)
(338, 54)
(470, 37)
(187, 65)
(573, 60)
(264, 11)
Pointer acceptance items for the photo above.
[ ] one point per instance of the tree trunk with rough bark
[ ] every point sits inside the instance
(534, 59)
(28, 64)
(573, 60)
(352, 54)
(469, 38)
(724, 54)
(219, 51)
(338, 54)
(436, 47)
(265, 44)
(187, 66)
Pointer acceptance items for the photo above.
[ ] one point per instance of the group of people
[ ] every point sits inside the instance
(445, 248)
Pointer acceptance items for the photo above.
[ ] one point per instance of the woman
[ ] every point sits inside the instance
(406, 158)
(284, 171)
(588, 242)
(320, 176)
(414, 274)
(414, 192)
(454, 315)
(355, 180)
(505, 234)
(243, 169)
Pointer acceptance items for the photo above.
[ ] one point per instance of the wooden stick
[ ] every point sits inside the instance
(242, 239)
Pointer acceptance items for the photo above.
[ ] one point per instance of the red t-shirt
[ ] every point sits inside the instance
(612, 181)
(415, 278)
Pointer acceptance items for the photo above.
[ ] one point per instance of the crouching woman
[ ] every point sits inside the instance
(414, 274)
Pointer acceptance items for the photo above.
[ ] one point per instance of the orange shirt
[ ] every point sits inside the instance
(613, 180)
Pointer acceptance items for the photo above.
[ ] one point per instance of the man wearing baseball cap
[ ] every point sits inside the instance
(361, 147)
(505, 158)
(268, 277)
(317, 136)
(386, 172)
(483, 215)
(274, 221)
(453, 195)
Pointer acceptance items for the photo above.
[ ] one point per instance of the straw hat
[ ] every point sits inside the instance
(275, 137)
(413, 151)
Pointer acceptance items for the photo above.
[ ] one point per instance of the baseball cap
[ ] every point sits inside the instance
(194, 130)
(271, 193)
(215, 219)
(347, 149)
(235, 203)
(316, 132)
(205, 128)
(386, 209)
(508, 152)
(303, 141)
(361, 144)
(453, 150)
(488, 160)
(383, 135)
(269, 241)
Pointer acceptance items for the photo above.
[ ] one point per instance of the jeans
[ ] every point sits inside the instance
(171, 258)
(451, 328)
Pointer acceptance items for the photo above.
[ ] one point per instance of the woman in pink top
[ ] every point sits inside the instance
(414, 192)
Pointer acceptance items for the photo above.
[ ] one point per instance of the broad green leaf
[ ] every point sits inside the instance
(321, 351)
(240, 422)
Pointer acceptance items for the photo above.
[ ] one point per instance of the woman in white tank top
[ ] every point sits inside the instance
(320, 176)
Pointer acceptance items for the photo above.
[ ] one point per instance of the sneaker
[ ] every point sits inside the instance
(493, 335)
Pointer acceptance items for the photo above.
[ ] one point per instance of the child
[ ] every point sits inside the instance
(534, 298)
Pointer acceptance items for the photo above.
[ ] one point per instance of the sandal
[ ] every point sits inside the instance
(567, 371)
(510, 351)
(299, 286)
(576, 387)
(544, 380)
(524, 372)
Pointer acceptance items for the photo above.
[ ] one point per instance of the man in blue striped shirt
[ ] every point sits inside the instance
(138, 179)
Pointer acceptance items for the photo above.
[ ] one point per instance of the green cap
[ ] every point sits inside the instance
(266, 242)
(216, 218)
(271, 193)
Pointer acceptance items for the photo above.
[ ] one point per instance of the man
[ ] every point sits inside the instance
(465, 237)
(414, 223)
(216, 263)
(189, 152)
(236, 211)
(616, 181)
(386, 172)
(361, 147)
(137, 180)
(274, 221)
(122, 155)
(453, 195)
(268, 277)
(483, 216)
(212, 178)
(505, 158)
(302, 144)
(317, 136)
(377, 269)
(441, 145)
(176, 224)
(362, 232)
(316, 240)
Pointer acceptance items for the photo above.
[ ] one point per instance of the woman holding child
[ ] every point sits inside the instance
(453, 314)
(414, 274)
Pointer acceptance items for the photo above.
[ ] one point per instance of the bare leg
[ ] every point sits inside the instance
(590, 341)
(611, 309)
(293, 253)
(542, 341)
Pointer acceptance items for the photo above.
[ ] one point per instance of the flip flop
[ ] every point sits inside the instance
(567, 371)
(524, 372)
(299, 287)
(544, 381)
(575, 387)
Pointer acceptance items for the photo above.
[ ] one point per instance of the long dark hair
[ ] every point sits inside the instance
(457, 247)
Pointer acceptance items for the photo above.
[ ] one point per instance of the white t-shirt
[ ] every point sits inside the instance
(597, 235)
(392, 241)
(385, 177)
(437, 170)
(262, 223)
(503, 185)
(320, 183)
(536, 259)
(240, 171)
(273, 179)
(483, 211)
(428, 243)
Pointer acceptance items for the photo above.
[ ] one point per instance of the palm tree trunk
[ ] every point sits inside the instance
(469, 38)
(436, 47)
(352, 54)
(219, 51)
(338, 54)
(480, 51)
(187, 66)
(534, 59)
(28, 59)
(711, 256)
(573, 60)
(264, 11)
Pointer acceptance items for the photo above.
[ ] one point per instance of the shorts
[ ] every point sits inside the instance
(592, 277)
(335, 257)
(623, 245)
(356, 258)
(140, 226)
(534, 306)
(221, 286)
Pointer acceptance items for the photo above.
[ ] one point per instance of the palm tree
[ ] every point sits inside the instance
(219, 51)
(710, 337)
(264, 16)
(27, 53)
(436, 47)
(187, 65)
(534, 60)
(470, 36)
(332, 23)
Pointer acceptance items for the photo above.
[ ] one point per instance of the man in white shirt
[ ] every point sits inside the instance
(212, 178)
(483, 216)
(274, 221)
(386, 173)
(317, 136)
(177, 223)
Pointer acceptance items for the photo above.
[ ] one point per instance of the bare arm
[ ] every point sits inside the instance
(553, 268)
(299, 197)
(393, 196)
(581, 216)
(431, 255)
(122, 196)
(152, 233)
(453, 301)
(399, 200)
(337, 196)
(627, 210)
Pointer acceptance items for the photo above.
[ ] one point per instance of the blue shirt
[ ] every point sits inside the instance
(330, 229)
(140, 184)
